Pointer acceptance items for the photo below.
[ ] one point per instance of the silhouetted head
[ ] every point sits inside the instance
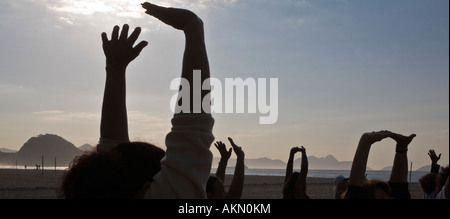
(377, 189)
(215, 188)
(340, 186)
(125, 171)
(428, 183)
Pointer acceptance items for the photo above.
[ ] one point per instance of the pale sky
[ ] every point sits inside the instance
(344, 67)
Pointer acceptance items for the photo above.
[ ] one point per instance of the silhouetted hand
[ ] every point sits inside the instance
(302, 149)
(176, 17)
(119, 51)
(238, 150)
(434, 158)
(372, 137)
(402, 141)
(224, 153)
(295, 150)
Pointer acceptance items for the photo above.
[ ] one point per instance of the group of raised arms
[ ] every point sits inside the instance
(435, 184)
(119, 168)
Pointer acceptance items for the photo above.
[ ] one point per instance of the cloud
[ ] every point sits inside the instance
(129, 9)
(62, 116)
(81, 7)
(13, 89)
(142, 117)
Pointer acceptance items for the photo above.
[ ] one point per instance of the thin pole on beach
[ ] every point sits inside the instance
(42, 167)
(55, 163)
(410, 172)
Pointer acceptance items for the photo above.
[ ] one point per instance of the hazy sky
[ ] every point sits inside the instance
(344, 67)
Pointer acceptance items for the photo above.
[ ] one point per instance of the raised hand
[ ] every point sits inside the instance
(295, 150)
(238, 150)
(224, 153)
(302, 149)
(119, 51)
(434, 158)
(402, 141)
(178, 18)
(373, 137)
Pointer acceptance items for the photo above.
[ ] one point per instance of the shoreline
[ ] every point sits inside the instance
(32, 184)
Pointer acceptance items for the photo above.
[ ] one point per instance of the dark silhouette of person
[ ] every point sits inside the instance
(295, 182)
(397, 186)
(179, 172)
(215, 186)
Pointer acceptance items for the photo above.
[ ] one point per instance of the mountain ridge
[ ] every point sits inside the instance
(52, 147)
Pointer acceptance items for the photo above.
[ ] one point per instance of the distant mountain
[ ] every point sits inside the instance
(86, 147)
(388, 168)
(426, 168)
(325, 163)
(6, 150)
(50, 147)
(259, 163)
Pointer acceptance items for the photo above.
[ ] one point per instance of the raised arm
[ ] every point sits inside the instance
(359, 165)
(224, 157)
(187, 165)
(237, 185)
(195, 56)
(119, 52)
(290, 163)
(304, 169)
(399, 172)
(434, 161)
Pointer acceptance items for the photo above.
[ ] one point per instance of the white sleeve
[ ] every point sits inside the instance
(187, 164)
(441, 194)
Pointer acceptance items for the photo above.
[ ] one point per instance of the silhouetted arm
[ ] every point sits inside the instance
(303, 171)
(237, 185)
(434, 161)
(195, 56)
(290, 163)
(224, 157)
(399, 172)
(119, 52)
(187, 165)
(359, 165)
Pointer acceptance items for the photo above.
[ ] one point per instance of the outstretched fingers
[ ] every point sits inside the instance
(139, 47)
(238, 150)
(119, 49)
(232, 142)
(124, 33)
(134, 36)
(115, 33)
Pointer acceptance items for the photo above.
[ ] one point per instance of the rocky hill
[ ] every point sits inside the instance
(50, 147)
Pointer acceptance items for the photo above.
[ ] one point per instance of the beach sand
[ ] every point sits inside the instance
(32, 184)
